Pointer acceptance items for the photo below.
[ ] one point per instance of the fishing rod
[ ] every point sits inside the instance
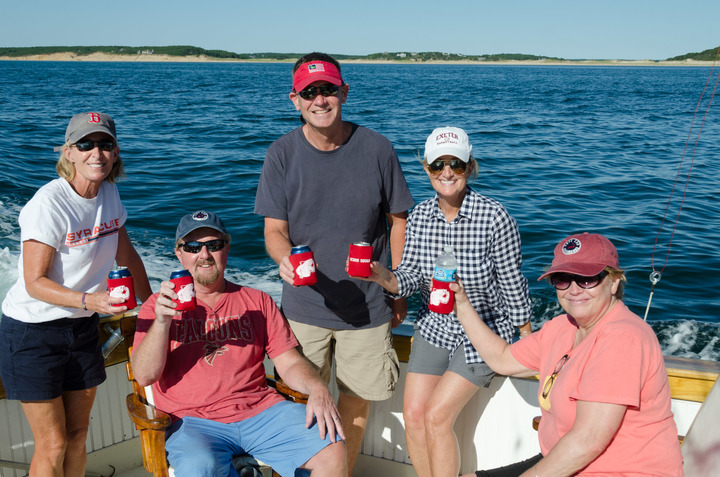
(655, 275)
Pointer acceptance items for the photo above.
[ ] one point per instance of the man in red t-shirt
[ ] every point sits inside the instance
(206, 370)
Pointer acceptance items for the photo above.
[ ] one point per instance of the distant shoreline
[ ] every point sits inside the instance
(104, 57)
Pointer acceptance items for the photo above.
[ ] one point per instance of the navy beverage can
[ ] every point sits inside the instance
(119, 272)
(179, 273)
(120, 285)
(299, 249)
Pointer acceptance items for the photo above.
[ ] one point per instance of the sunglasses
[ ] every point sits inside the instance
(85, 146)
(562, 281)
(457, 166)
(326, 89)
(551, 380)
(196, 247)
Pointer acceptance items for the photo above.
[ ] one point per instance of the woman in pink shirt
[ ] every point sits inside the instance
(604, 393)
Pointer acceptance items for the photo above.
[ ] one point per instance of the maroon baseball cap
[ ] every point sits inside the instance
(583, 254)
(313, 71)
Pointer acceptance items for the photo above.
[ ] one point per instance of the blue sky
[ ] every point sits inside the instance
(573, 29)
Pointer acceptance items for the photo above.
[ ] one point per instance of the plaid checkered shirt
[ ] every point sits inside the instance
(486, 241)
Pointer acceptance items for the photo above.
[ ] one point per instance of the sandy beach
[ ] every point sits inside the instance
(206, 59)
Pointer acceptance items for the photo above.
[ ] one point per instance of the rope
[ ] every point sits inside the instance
(656, 275)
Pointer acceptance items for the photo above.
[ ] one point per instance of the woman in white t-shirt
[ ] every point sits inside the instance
(71, 231)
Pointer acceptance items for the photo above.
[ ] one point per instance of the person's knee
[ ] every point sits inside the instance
(51, 445)
(77, 437)
(331, 460)
(438, 416)
(195, 464)
(414, 416)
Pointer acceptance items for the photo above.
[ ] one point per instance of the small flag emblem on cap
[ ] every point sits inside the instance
(316, 68)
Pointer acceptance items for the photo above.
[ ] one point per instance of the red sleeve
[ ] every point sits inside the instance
(527, 351)
(280, 337)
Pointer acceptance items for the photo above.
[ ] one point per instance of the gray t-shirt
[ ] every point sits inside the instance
(331, 199)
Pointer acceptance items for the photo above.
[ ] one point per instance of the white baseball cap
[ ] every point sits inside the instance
(447, 141)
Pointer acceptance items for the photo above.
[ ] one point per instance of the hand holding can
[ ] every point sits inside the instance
(359, 259)
(303, 262)
(120, 285)
(185, 290)
(442, 298)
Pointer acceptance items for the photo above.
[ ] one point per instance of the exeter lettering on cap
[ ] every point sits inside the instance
(448, 135)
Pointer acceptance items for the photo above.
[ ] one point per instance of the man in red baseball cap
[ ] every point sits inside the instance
(327, 184)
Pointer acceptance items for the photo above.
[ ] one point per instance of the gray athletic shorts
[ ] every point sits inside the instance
(426, 358)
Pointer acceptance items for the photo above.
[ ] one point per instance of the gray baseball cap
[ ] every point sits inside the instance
(87, 123)
(198, 220)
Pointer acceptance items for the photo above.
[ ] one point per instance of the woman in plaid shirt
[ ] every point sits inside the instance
(445, 370)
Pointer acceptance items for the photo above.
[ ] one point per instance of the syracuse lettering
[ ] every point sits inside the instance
(81, 237)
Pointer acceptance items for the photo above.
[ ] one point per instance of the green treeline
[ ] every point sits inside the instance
(177, 50)
(707, 55)
(186, 50)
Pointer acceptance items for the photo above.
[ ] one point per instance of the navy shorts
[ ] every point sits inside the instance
(39, 361)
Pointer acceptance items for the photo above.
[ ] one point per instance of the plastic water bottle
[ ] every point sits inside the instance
(442, 299)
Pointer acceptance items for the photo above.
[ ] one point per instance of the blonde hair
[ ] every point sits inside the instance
(614, 274)
(66, 169)
(472, 164)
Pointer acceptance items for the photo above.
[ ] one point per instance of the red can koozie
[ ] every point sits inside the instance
(303, 262)
(185, 289)
(359, 259)
(120, 285)
(442, 298)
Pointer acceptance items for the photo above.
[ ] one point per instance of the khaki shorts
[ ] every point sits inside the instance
(366, 364)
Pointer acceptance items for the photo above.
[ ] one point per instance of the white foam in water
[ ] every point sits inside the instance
(683, 337)
(8, 271)
(267, 281)
(159, 264)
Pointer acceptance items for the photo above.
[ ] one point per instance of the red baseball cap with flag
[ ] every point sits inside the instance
(583, 254)
(313, 71)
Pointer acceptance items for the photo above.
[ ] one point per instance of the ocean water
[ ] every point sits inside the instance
(565, 148)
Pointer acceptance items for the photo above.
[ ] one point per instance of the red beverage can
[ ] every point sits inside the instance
(185, 289)
(120, 285)
(442, 298)
(359, 259)
(303, 262)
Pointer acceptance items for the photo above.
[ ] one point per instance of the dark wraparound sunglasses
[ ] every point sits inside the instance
(457, 166)
(196, 247)
(85, 146)
(311, 92)
(562, 281)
